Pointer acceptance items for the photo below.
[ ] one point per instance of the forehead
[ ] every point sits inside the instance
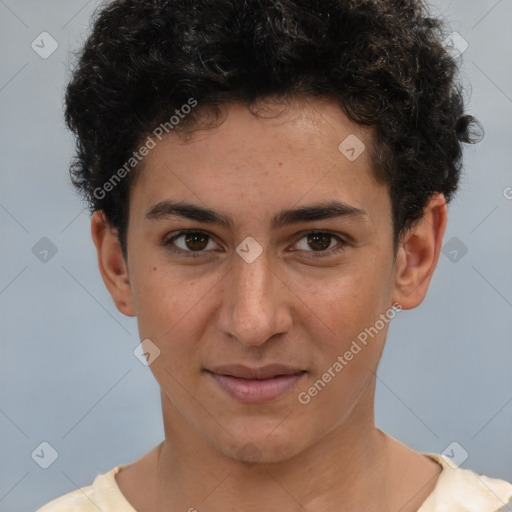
(273, 157)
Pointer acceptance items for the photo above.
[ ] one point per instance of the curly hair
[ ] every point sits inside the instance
(383, 60)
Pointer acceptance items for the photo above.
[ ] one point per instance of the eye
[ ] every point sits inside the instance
(321, 243)
(191, 243)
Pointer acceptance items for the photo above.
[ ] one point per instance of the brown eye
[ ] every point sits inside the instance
(190, 243)
(320, 244)
(319, 241)
(196, 241)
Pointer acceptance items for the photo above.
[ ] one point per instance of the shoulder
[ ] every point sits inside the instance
(461, 490)
(103, 494)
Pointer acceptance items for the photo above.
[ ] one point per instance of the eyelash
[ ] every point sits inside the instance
(168, 243)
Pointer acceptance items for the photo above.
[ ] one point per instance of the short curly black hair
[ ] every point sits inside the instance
(383, 60)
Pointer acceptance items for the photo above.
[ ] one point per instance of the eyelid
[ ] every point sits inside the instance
(342, 242)
(169, 241)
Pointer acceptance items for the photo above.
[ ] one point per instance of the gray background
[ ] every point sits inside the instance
(68, 373)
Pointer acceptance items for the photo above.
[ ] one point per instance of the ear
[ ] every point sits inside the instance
(418, 254)
(111, 263)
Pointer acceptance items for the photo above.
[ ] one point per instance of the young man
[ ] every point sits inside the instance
(269, 181)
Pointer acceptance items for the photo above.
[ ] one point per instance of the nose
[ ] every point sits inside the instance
(255, 303)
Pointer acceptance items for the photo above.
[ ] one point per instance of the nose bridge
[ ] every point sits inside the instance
(252, 310)
(252, 279)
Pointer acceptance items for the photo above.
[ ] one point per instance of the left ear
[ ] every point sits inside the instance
(418, 254)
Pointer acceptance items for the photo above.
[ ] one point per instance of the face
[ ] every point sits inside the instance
(259, 253)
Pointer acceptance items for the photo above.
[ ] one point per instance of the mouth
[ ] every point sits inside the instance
(256, 385)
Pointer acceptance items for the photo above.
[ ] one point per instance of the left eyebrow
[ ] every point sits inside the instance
(310, 213)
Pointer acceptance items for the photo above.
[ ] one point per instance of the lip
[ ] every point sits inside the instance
(263, 372)
(256, 385)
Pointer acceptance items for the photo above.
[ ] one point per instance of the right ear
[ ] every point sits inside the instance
(113, 267)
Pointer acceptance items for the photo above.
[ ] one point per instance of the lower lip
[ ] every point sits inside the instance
(254, 391)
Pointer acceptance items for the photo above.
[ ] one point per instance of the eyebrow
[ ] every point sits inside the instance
(322, 211)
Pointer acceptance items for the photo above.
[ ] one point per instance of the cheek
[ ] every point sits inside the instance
(169, 314)
(348, 301)
(166, 303)
(345, 311)
(347, 356)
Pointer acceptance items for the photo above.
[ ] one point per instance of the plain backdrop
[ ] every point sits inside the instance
(69, 376)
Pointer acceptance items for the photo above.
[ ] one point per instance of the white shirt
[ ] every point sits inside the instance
(457, 490)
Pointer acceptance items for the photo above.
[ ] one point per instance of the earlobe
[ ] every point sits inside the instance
(111, 263)
(418, 254)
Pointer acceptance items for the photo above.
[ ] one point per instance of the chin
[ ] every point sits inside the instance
(266, 442)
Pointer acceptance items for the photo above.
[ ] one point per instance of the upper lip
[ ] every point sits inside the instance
(263, 372)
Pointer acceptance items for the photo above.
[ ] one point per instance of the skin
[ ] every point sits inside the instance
(285, 307)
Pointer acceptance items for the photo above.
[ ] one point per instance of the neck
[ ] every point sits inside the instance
(331, 474)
